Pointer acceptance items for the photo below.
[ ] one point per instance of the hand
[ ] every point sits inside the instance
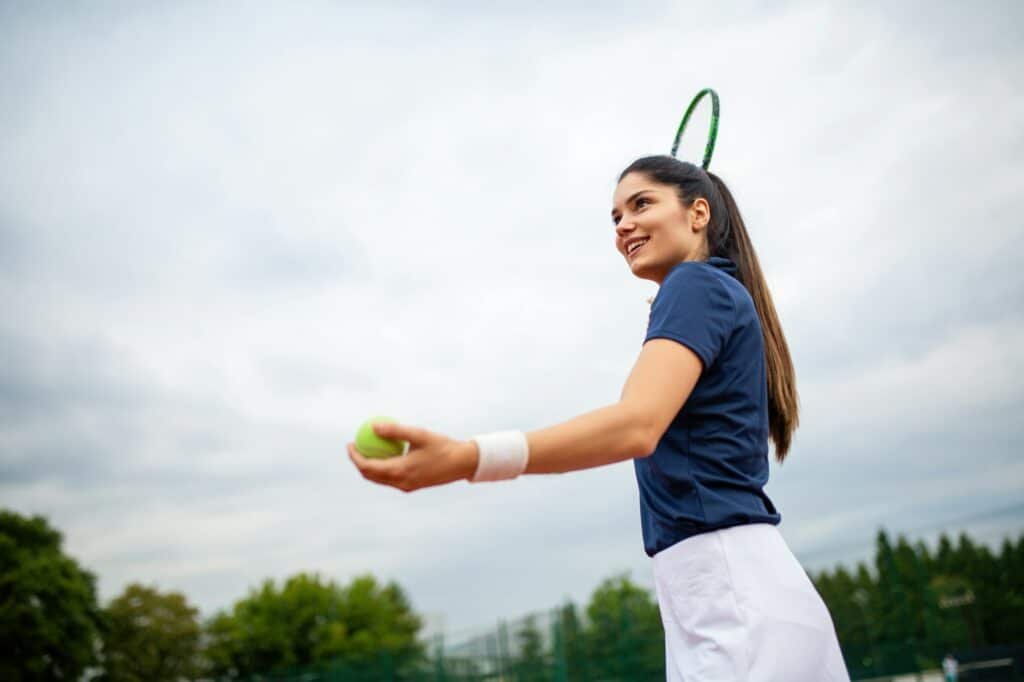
(432, 459)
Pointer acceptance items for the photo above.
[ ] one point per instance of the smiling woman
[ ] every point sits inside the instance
(712, 384)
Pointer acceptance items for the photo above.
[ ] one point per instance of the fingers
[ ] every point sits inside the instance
(415, 435)
(427, 462)
(389, 472)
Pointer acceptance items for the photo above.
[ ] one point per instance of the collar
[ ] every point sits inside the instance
(723, 264)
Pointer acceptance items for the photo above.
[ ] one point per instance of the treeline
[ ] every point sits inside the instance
(900, 613)
(53, 628)
(913, 605)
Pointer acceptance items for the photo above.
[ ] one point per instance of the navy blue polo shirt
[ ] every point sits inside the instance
(711, 465)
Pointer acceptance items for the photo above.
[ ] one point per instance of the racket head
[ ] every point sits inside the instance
(709, 147)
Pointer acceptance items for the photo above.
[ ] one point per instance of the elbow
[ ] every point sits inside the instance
(642, 437)
(644, 444)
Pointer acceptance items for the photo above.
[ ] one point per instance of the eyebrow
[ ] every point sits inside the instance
(632, 196)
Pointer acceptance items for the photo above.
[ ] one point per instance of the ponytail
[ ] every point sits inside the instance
(730, 239)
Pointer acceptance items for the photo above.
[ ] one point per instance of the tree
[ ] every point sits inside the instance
(894, 610)
(310, 622)
(50, 621)
(1008, 623)
(955, 595)
(853, 601)
(573, 644)
(375, 620)
(839, 592)
(151, 637)
(530, 664)
(625, 630)
(924, 603)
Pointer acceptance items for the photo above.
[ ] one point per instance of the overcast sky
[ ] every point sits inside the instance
(230, 232)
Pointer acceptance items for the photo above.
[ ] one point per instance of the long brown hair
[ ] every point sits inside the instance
(727, 237)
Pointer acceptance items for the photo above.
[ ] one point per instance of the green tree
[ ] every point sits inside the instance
(624, 634)
(894, 611)
(853, 602)
(573, 644)
(919, 604)
(50, 621)
(309, 622)
(944, 556)
(965, 562)
(530, 665)
(955, 595)
(150, 637)
(375, 620)
(1008, 622)
(994, 603)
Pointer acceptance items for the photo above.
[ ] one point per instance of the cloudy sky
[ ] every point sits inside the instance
(231, 232)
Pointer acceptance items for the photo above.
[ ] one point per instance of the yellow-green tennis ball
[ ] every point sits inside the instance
(369, 444)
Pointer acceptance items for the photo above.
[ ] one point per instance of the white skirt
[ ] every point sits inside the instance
(738, 607)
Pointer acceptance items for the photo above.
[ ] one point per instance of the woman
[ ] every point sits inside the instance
(712, 384)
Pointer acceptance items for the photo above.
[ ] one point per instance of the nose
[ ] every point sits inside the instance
(624, 227)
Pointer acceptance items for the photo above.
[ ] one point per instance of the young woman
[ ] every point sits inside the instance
(712, 384)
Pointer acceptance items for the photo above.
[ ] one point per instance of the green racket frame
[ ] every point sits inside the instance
(712, 131)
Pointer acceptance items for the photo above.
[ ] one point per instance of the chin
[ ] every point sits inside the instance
(640, 271)
(649, 271)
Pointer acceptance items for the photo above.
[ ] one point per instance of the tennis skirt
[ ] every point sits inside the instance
(738, 607)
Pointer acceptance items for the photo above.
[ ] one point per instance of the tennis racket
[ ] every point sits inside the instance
(709, 148)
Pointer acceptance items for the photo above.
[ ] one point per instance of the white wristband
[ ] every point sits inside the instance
(503, 455)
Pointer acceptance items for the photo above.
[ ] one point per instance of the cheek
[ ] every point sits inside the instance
(672, 241)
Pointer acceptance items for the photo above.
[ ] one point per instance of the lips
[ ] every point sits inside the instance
(635, 245)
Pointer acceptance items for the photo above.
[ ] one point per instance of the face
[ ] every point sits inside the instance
(654, 232)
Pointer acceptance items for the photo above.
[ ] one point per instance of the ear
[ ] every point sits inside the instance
(700, 214)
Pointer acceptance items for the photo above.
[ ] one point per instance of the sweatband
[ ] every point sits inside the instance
(503, 455)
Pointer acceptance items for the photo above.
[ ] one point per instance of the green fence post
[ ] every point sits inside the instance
(439, 658)
(561, 673)
(503, 649)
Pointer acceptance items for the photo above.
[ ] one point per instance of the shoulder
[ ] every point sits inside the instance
(696, 307)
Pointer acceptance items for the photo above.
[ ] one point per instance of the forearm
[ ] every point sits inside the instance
(604, 436)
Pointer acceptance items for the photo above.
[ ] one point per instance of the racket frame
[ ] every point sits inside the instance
(709, 148)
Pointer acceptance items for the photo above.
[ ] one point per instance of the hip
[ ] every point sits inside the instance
(737, 605)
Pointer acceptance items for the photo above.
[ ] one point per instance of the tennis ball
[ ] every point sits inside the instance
(369, 444)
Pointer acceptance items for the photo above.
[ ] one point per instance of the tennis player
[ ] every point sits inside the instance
(713, 383)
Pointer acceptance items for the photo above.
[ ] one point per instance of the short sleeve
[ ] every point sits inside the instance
(695, 309)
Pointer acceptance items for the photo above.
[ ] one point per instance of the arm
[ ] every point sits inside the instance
(661, 380)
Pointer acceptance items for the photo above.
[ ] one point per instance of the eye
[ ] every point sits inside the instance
(616, 219)
(641, 202)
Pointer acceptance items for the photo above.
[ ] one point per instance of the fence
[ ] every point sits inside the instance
(623, 645)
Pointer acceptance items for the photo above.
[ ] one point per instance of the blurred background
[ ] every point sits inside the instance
(231, 232)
